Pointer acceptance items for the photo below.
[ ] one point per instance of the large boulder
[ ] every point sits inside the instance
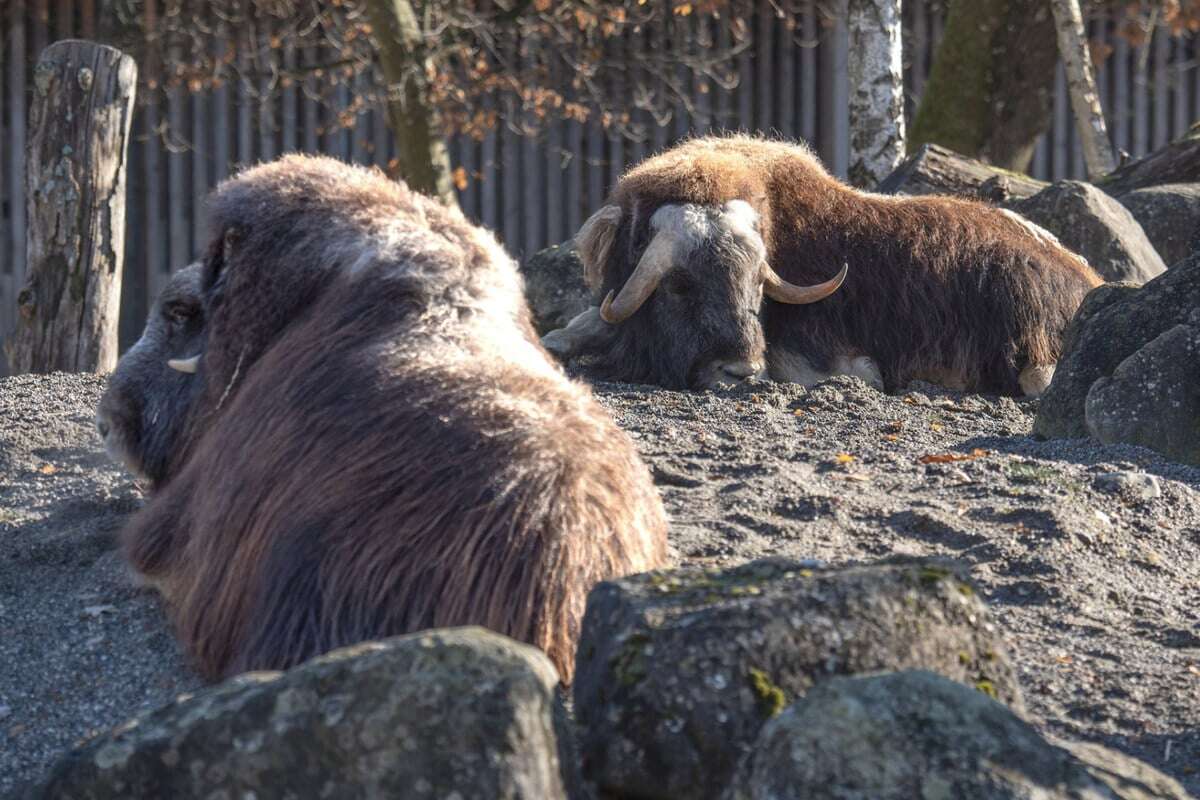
(1170, 216)
(1153, 397)
(915, 734)
(1097, 227)
(554, 287)
(1114, 322)
(452, 713)
(677, 671)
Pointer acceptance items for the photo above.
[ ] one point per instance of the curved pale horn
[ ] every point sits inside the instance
(593, 242)
(781, 291)
(187, 365)
(650, 269)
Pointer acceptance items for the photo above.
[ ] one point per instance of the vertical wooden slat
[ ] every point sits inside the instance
(245, 128)
(835, 115)
(1141, 103)
(1179, 75)
(1062, 126)
(133, 310)
(266, 92)
(1162, 87)
(15, 150)
(677, 35)
(156, 254)
(64, 19)
(765, 57)
(1118, 118)
(618, 87)
(381, 135)
(288, 120)
(703, 94)
(658, 49)
(308, 100)
(489, 167)
(724, 98)
(178, 195)
(786, 77)
(808, 76)
(221, 153)
(532, 176)
(1040, 168)
(920, 49)
(574, 188)
(594, 164)
(556, 218)
(41, 27)
(510, 165)
(87, 19)
(201, 155)
(745, 87)
(360, 131)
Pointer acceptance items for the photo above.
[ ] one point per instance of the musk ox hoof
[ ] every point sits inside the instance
(1034, 379)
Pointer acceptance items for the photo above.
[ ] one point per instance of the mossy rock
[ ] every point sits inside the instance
(915, 734)
(678, 670)
(458, 712)
(1114, 322)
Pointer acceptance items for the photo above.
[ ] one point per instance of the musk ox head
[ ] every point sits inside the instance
(683, 284)
(151, 392)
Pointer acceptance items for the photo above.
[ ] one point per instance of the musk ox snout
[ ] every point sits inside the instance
(148, 398)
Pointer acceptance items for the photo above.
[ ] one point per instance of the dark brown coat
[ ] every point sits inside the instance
(375, 442)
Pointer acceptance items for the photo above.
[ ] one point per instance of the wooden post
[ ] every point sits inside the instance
(75, 188)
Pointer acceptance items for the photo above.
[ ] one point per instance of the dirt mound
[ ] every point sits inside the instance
(1089, 555)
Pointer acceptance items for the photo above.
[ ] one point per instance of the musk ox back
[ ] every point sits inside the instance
(725, 257)
(352, 433)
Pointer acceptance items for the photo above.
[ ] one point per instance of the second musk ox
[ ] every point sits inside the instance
(891, 289)
(352, 432)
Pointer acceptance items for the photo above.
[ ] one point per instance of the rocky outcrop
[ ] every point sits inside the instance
(677, 671)
(1114, 323)
(458, 712)
(915, 734)
(554, 287)
(1153, 397)
(1170, 216)
(1089, 222)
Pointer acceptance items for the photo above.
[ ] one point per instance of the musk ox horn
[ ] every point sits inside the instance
(187, 365)
(641, 284)
(781, 291)
(593, 242)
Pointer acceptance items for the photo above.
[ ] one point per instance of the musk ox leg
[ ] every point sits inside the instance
(789, 367)
(1035, 379)
(585, 333)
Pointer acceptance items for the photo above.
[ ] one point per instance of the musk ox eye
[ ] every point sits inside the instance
(180, 312)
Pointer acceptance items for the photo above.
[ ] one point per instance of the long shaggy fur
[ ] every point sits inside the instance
(380, 445)
(937, 287)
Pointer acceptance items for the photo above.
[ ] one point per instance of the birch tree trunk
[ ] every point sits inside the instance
(1081, 78)
(876, 90)
(80, 113)
(421, 145)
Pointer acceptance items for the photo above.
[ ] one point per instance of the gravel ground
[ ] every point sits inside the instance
(1089, 555)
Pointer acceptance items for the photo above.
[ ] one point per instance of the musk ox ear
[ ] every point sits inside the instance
(220, 251)
(594, 241)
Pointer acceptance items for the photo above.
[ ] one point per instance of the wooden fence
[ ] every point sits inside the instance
(533, 192)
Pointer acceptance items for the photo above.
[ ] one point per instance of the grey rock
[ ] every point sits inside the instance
(678, 670)
(554, 287)
(1136, 486)
(1170, 217)
(915, 734)
(457, 712)
(1113, 323)
(1153, 397)
(1096, 226)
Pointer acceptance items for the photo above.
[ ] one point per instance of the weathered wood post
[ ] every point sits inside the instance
(75, 192)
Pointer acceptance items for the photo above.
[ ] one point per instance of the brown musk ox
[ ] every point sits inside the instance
(888, 288)
(351, 432)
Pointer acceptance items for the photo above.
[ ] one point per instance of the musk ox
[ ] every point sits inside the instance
(934, 288)
(351, 432)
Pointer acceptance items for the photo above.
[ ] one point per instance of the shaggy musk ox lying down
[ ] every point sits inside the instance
(352, 432)
(887, 288)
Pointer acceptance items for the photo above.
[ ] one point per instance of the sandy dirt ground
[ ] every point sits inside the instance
(1088, 555)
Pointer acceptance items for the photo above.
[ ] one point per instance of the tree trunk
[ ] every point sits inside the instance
(876, 90)
(1085, 101)
(981, 100)
(416, 123)
(936, 170)
(1178, 162)
(75, 189)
